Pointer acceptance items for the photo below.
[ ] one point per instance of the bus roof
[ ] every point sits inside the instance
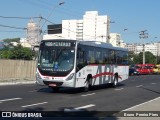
(90, 43)
(101, 44)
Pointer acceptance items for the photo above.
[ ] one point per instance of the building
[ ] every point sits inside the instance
(131, 47)
(33, 33)
(148, 47)
(158, 48)
(24, 43)
(137, 48)
(122, 44)
(115, 39)
(91, 27)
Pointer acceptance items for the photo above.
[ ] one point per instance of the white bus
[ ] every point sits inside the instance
(75, 63)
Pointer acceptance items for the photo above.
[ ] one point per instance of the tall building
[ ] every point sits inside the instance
(158, 48)
(33, 33)
(91, 27)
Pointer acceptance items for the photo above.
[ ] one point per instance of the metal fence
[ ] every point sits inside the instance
(17, 69)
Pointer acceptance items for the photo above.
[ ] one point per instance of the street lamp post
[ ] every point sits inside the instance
(143, 35)
(61, 3)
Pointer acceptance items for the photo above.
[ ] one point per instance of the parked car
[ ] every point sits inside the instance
(133, 71)
(144, 68)
(156, 69)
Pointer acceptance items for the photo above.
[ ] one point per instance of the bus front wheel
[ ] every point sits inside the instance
(86, 88)
(88, 83)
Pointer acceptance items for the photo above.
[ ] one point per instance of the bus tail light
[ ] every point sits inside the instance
(70, 76)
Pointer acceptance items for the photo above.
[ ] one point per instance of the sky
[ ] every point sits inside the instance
(129, 16)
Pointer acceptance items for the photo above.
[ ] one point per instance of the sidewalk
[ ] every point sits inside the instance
(149, 110)
(17, 81)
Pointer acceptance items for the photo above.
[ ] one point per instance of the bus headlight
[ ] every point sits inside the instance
(70, 76)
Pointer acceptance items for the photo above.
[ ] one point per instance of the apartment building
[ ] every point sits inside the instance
(137, 48)
(92, 27)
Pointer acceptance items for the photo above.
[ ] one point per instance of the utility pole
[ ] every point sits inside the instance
(143, 35)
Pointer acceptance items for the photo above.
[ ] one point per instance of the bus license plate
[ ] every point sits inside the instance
(52, 85)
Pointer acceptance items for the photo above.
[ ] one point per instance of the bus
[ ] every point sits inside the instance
(80, 64)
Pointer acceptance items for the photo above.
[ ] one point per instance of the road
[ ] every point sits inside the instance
(131, 92)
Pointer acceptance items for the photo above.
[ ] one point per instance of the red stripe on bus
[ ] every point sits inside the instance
(106, 73)
(105, 65)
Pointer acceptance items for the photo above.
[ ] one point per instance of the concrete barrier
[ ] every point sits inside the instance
(17, 69)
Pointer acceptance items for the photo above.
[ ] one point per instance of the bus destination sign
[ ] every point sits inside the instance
(60, 44)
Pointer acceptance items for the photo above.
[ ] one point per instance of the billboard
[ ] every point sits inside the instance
(55, 29)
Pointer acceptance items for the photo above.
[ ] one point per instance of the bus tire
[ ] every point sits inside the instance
(115, 81)
(88, 83)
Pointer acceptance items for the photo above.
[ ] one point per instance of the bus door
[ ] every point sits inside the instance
(81, 63)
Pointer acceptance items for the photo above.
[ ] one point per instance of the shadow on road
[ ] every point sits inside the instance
(77, 90)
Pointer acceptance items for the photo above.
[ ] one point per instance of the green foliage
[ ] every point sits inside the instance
(158, 60)
(8, 40)
(17, 52)
(130, 57)
(138, 59)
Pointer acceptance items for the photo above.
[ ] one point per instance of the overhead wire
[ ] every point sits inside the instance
(11, 27)
(42, 18)
(18, 17)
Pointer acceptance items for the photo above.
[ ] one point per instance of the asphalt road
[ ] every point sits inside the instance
(131, 92)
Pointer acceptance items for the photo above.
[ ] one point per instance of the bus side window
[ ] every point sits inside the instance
(113, 57)
(98, 56)
(80, 59)
(91, 56)
(119, 57)
(125, 58)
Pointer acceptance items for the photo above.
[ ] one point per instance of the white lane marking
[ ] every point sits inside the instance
(10, 99)
(34, 104)
(119, 89)
(153, 83)
(86, 106)
(88, 94)
(141, 104)
(139, 86)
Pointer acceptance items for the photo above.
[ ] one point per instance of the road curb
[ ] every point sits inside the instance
(17, 82)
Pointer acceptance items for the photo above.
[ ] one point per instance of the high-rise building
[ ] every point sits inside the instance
(91, 27)
(33, 33)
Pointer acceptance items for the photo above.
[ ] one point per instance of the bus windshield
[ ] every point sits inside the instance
(56, 59)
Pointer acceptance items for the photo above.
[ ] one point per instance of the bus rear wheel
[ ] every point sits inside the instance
(115, 82)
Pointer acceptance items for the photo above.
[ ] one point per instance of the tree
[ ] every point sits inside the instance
(8, 40)
(131, 56)
(17, 52)
(149, 58)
